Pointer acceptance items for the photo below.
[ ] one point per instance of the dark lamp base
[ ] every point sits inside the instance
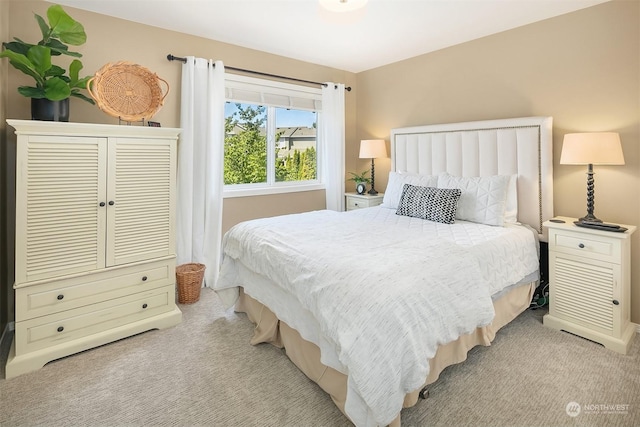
(372, 192)
(589, 218)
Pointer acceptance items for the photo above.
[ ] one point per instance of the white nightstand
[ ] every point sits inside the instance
(589, 283)
(359, 201)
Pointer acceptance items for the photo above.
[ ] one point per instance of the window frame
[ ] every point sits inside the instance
(300, 98)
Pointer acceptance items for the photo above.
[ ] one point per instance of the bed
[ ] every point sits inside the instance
(373, 304)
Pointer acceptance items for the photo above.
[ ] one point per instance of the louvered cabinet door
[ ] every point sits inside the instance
(584, 292)
(60, 184)
(141, 200)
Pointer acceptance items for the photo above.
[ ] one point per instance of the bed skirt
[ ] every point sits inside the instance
(306, 355)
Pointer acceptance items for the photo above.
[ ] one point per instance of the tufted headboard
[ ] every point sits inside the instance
(521, 146)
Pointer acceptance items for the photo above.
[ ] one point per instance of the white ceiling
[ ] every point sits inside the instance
(385, 31)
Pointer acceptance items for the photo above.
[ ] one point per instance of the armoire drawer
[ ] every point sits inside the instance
(61, 295)
(61, 328)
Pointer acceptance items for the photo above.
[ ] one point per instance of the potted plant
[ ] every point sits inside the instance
(53, 87)
(361, 181)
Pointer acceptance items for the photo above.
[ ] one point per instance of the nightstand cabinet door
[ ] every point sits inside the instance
(583, 292)
(589, 283)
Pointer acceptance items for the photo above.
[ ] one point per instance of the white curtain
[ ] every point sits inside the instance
(200, 165)
(332, 134)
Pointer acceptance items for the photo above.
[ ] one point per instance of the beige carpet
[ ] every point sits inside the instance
(204, 372)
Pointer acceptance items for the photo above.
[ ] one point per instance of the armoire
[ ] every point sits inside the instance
(95, 237)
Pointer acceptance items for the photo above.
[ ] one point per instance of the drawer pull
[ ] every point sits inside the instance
(60, 297)
(144, 278)
(144, 305)
(111, 203)
(616, 302)
(60, 328)
(102, 204)
(581, 245)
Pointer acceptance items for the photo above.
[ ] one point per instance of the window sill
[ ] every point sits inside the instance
(265, 191)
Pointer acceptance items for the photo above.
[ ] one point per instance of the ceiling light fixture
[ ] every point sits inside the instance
(343, 5)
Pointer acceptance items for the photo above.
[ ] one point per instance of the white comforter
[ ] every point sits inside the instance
(384, 298)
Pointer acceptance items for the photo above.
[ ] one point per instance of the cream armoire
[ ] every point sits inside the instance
(95, 237)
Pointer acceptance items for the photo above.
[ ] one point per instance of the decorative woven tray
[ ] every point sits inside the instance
(128, 91)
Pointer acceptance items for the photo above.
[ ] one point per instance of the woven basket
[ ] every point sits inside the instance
(127, 91)
(189, 278)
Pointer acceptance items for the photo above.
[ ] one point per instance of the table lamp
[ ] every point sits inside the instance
(372, 149)
(594, 148)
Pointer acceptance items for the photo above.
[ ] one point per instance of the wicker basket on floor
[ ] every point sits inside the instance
(189, 278)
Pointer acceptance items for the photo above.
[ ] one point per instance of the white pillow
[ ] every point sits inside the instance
(483, 199)
(397, 180)
(511, 211)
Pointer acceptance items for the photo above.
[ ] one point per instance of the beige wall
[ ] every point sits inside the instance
(581, 68)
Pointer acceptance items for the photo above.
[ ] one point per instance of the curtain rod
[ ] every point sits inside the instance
(170, 57)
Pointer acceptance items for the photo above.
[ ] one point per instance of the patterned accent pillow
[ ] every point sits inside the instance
(433, 204)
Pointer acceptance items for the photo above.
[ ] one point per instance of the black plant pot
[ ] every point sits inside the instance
(53, 111)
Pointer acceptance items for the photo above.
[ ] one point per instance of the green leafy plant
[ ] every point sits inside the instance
(35, 60)
(360, 177)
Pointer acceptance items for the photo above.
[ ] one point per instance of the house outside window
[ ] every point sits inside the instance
(271, 137)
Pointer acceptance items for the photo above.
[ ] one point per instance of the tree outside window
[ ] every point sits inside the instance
(247, 147)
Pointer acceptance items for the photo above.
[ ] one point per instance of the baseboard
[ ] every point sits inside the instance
(638, 329)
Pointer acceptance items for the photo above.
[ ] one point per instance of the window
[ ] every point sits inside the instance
(271, 137)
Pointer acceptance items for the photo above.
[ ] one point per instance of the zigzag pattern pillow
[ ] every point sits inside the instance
(483, 200)
(396, 185)
(433, 204)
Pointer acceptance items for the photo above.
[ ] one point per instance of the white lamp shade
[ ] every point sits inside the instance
(373, 148)
(596, 148)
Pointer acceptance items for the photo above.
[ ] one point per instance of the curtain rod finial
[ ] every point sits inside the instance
(170, 57)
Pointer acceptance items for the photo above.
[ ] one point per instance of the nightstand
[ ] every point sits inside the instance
(589, 283)
(359, 201)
